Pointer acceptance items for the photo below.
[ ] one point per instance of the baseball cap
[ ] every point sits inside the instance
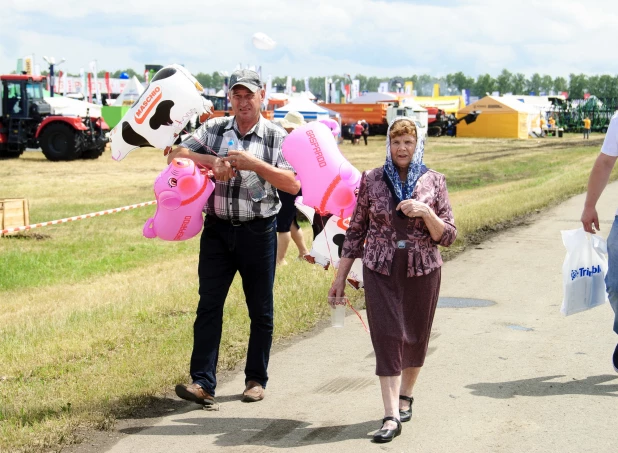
(247, 78)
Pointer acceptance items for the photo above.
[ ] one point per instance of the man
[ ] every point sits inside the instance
(587, 128)
(599, 176)
(239, 233)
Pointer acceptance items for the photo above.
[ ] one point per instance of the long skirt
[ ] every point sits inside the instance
(400, 311)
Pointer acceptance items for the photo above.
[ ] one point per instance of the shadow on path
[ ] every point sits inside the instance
(542, 387)
(277, 433)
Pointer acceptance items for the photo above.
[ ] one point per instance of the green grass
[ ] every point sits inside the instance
(96, 320)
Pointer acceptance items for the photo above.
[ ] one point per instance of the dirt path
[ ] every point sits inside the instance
(513, 376)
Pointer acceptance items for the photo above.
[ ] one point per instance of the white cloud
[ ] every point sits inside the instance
(372, 37)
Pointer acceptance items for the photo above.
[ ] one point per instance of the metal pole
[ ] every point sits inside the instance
(51, 80)
(225, 83)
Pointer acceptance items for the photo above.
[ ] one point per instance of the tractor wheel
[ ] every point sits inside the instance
(61, 142)
(93, 153)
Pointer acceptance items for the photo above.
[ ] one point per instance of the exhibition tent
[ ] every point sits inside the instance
(132, 91)
(499, 117)
(305, 107)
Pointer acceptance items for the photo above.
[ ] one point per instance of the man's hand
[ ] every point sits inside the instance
(242, 160)
(590, 219)
(222, 170)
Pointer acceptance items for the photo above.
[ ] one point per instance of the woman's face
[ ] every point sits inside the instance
(402, 150)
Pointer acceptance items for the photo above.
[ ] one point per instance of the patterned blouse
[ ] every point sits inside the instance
(372, 222)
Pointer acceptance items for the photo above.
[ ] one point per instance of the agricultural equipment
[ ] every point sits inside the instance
(570, 114)
(27, 121)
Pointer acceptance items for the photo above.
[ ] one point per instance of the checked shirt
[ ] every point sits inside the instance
(231, 200)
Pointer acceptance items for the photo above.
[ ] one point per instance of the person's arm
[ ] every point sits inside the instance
(222, 170)
(440, 222)
(338, 287)
(280, 178)
(599, 176)
(353, 244)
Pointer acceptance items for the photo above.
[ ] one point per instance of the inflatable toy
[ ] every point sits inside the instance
(333, 126)
(326, 249)
(158, 116)
(181, 191)
(328, 180)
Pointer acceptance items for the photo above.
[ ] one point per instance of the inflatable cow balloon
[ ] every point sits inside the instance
(329, 182)
(158, 116)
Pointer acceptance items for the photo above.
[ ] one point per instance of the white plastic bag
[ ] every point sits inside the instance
(583, 271)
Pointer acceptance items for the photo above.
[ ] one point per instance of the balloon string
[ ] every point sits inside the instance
(359, 316)
(336, 272)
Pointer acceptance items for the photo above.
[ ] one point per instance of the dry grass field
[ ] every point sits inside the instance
(96, 320)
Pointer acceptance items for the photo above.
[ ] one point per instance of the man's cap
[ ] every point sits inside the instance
(292, 120)
(247, 78)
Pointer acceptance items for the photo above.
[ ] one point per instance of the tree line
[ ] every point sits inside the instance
(576, 85)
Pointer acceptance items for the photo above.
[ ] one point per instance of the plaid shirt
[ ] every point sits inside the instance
(231, 200)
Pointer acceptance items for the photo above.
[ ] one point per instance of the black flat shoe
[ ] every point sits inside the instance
(386, 435)
(405, 416)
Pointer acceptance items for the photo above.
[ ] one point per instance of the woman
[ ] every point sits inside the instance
(403, 213)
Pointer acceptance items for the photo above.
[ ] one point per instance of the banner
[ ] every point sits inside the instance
(326, 90)
(28, 64)
(90, 87)
(269, 87)
(436, 90)
(408, 87)
(288, 86)
(465, 93)
(107, 84)
(93, 70)
(383, 88)
(355, 89)
(307, 84)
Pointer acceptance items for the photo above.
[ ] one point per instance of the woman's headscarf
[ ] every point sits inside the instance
(403, 190)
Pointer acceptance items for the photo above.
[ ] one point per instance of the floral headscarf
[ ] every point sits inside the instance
(403, 190)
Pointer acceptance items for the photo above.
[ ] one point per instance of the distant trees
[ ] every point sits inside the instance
(577, 85)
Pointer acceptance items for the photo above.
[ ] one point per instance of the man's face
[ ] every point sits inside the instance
(245, 103)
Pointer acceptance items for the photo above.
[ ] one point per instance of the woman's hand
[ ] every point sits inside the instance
(414, 208)
(337, 289)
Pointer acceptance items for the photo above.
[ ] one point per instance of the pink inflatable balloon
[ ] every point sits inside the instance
(327, 179)
(333, 126)
(182, 191)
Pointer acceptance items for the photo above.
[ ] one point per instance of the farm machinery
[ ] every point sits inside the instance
(27, 121)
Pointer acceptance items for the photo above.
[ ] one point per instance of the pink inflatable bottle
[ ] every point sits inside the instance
(181, 190)
(327, 179)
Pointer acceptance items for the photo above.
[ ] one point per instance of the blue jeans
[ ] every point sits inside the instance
(251, 249)
(611, 279)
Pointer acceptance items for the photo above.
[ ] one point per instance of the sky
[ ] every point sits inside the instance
(384, 38)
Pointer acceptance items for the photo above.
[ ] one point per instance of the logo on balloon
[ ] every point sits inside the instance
(316, 148)
(151, 100)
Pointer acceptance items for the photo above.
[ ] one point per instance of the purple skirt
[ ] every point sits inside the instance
(400, 311)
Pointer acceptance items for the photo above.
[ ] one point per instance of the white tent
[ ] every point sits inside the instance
(131, 92)
(373, 98)
(305, 107)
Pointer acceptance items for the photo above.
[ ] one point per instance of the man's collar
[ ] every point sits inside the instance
(258, 128)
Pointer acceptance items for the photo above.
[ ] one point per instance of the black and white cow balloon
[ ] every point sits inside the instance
(159, 115)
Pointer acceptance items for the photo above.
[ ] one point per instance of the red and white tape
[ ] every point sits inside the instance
(79, 217)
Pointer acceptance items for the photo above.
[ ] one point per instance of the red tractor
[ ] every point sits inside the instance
(26, 121)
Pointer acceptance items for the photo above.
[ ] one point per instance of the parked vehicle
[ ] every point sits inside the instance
(27, 121)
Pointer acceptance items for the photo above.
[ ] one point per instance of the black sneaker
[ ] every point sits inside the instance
(615, 359)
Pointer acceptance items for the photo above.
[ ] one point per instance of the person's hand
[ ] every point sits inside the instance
(222, 170)
(590, 219)
(414, 208)
(337, 289)
(241, 160)
(178, 151)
